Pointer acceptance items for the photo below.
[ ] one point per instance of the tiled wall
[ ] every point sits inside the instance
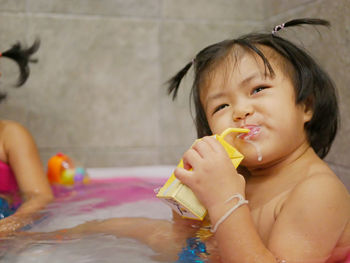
(98, 92)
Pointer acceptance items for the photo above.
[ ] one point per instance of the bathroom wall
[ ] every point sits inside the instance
(98, 91)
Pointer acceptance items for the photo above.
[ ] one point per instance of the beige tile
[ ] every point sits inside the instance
(135, 8)
(275, 7)
(14, 109)
(340, 153)
(88, 157)
(176, 125)
(122, 157)
(13, 5)
(96, 83)
(208, 10)
(172, 155)
(13, 28)
(343, 172)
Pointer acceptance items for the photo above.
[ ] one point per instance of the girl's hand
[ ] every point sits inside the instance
(213, 178)
(12, 223)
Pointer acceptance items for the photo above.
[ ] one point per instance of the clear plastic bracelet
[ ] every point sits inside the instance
(241, 201)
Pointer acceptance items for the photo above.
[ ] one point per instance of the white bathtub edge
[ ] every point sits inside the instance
(136, 171)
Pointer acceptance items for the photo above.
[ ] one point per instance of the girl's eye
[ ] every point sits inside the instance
(258, 89)
(220, 107)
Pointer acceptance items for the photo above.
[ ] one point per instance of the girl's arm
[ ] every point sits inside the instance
(237, 238)
(164, 237)
(312, 222)
(306, 230)
(23, 158)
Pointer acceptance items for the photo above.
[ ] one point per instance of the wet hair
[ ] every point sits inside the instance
(312, 84)
(22, 56)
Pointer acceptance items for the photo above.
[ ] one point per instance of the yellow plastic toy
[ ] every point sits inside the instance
(181, 198)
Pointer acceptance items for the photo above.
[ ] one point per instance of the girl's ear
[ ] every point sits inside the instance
(308, 109)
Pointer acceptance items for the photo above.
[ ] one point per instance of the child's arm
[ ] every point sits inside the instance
(237, 238)
(164, 237)
(23, 158)
(312, 221)
(306, 230)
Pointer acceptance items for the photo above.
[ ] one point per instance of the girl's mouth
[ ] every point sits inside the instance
(254, 130)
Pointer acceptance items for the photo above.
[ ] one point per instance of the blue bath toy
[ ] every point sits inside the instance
(5, 209)
(193, 252)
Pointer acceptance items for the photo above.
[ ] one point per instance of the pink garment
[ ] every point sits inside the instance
(8, 182)
(347, 260)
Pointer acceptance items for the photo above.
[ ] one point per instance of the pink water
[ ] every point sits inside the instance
(110, 192)
(101, 199)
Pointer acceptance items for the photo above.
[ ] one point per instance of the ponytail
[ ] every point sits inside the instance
(22, 56)
(174, 82)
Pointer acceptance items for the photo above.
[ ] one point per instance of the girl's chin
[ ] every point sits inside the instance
(253, 160)
(252, 163)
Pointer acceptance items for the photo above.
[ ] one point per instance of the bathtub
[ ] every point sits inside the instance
(117, 192)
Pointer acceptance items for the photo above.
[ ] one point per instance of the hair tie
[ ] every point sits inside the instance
(277, 28)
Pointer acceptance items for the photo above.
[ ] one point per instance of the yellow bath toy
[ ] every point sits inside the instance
(181, 198)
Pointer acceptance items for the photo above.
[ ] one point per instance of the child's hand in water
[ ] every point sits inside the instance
(14, 222)
(213, 177)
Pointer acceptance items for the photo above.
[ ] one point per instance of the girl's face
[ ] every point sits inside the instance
(240, 95)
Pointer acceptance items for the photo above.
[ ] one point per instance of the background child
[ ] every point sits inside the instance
(298, 209)
(20, 166)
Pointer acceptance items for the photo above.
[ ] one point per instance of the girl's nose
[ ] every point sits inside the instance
(242, 112)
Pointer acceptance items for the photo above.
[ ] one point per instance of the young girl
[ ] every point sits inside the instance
(20, 166)
(298, 210)
(285, 205)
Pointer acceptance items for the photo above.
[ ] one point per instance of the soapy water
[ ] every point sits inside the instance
(99, 200)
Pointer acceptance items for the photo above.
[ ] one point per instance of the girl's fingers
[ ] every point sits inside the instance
(204, 147)
(214, 144)
(187, 166)
(201, 148)
(191, 158)
(183, 175)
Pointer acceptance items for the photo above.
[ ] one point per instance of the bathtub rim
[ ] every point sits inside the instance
(151, 171)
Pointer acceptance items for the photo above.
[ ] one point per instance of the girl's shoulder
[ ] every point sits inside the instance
(11, 133)
(9, 127)
(321, 192)
(9, 124)
(319, 179)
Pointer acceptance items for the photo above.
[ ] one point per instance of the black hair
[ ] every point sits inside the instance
(22, 56)
(311, 83)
